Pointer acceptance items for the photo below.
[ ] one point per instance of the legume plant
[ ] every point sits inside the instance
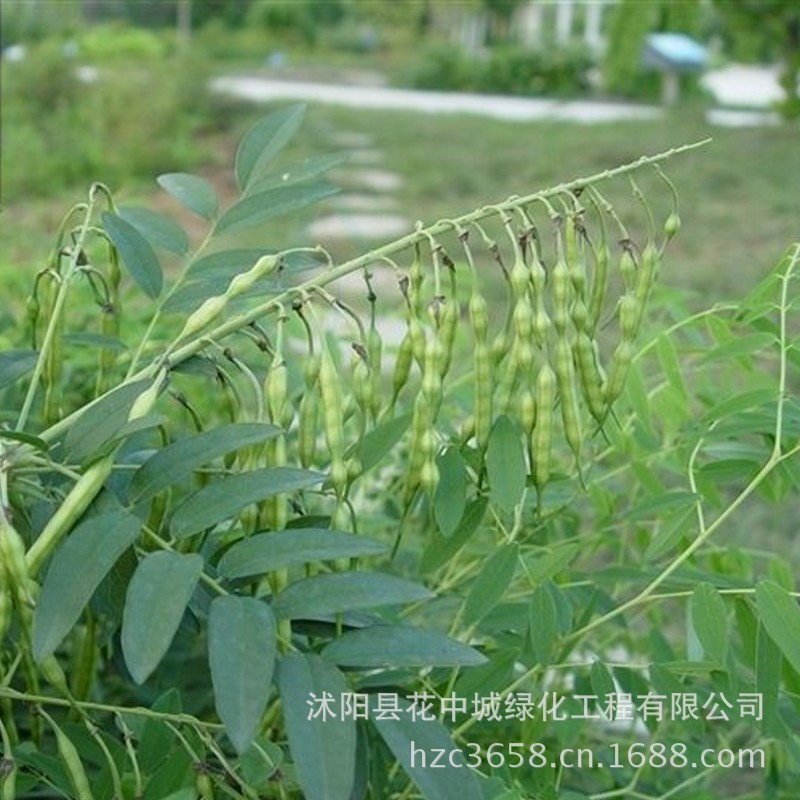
(255, 554)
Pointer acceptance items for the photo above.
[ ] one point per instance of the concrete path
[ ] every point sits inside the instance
(744, 85)
(261, 89)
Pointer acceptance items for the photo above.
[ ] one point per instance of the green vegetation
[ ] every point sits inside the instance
(218, 513)
(213, 505)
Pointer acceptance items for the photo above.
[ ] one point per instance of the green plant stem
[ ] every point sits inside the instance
(58, 310)
(191, 348)
(184, 719)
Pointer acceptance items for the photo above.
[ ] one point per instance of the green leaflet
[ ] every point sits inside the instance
(241, 654)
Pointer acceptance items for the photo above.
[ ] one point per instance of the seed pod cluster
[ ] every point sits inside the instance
(544, 365)
(541, 362)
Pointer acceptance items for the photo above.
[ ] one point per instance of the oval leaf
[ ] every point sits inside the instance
(264, 141)
(78, 566)
(378, 443)
(194, 193)
(102, 421)
(491, 584)
(136, 253)
(178, 460)
(323, 749)
(257, 555)
(258, 208)
(156, 600)
(304, 170)
(505, 465)
(411, 738)
(781, 617)
(14, 364)
(241, 654)
(399, 646)
(345, 591)
(226, 497)
(450, 499)
(158, 229)
(442, 548)
(710, 622)
(542, 624)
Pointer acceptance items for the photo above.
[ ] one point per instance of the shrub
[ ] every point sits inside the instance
(59, 129)
(505, 70)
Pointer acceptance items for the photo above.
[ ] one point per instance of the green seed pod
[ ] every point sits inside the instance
(402, 367)
(32, 311)
(575, 254)
(354, 468)
(331, 404)
(417, 333)
(646, 277)
(628, 313)
(508, 378)
(82, 665)
(72, 507)
(429, 477)
(53, 674)
(419, 428)
(8, 777)
(276, 390)
(672, 225)
(561, 285)
(570, 414)
(519, 277)
(416, 278)
(538, 274)
(500, 346)
(525, 356)
(309, 405)
(523, 318)
(12, 558)
(362, 383)
(71, 760)
(144, 403)
(620, 363)
(447, 334)
(109, 326)
(541, 323)
(627, 266)
(341, 519)
(484, 391)
(526, 411)
(590, 378)
(375, 350)
(307, 428)
(203, 316)
(580, 316)
(479, 315)
(311, 369)
(599, 285)
(431, 376)
(339, 476)
(6, 610)
(543, 433)
(244, 281)
(203, 784)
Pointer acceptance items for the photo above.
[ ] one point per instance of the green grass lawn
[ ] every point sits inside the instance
(739, 194)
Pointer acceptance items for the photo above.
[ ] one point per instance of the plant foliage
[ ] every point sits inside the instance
(243, 557)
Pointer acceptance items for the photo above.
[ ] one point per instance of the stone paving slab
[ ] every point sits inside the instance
(358, 226)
